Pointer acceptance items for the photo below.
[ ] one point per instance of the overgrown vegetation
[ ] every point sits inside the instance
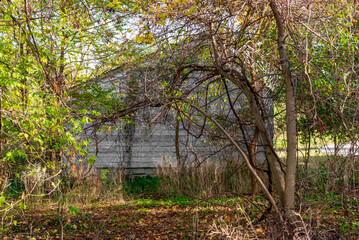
(221, 72)
(154, 207)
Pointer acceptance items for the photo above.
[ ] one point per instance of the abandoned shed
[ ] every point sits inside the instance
(147, 140)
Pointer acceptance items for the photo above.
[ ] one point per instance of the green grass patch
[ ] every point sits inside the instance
(139, 185)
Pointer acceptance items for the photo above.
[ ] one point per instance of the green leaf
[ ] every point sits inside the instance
(2, 200)
(73, 210)
(91, 160)
(103, 174)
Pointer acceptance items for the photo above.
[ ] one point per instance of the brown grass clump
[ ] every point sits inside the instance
(208, 179)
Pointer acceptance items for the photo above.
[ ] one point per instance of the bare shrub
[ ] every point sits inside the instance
(38, 182)
(33, 179)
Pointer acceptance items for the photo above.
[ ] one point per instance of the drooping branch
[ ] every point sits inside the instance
(242, 83)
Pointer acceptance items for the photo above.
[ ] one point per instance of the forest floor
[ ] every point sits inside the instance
(328, 216)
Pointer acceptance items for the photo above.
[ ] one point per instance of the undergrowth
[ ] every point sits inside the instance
(204, 192)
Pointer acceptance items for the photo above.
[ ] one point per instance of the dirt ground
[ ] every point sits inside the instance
(181, 219)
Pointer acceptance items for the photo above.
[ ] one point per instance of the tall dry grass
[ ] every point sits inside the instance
(208, 179)
(97, 186)
(42, 187)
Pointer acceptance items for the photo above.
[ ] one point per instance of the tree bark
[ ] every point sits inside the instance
(290, 112)
(178, 155)
(252, 150)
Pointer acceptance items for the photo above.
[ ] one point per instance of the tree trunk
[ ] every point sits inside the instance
(178, 156)
(252, 150)
(290, 113)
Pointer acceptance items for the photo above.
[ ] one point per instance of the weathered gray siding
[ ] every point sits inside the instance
(141, 147)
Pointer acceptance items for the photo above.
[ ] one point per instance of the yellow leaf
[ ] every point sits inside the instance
(190, 10)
